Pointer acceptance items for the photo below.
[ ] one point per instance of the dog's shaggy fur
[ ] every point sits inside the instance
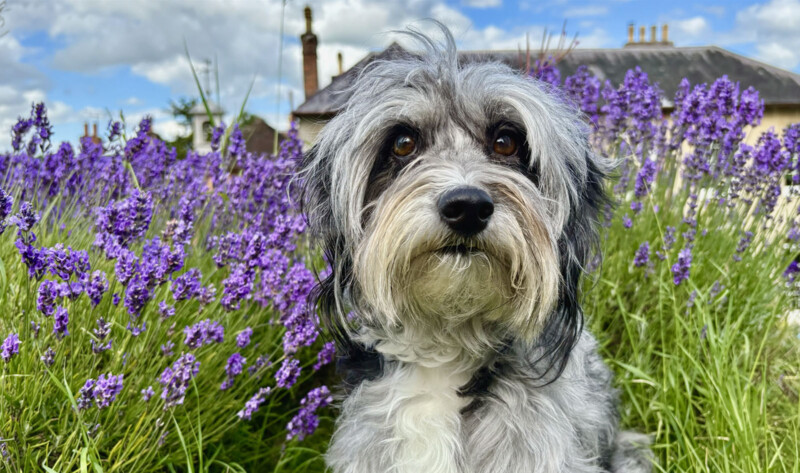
(464, 352)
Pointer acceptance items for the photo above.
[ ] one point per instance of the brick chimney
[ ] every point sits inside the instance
(309, 40)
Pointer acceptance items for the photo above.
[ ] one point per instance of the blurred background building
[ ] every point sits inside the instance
(664, 62)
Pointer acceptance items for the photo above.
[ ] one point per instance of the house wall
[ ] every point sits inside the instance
(777, 118)
(309, 126)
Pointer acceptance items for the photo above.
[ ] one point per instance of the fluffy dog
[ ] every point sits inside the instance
(457, 205)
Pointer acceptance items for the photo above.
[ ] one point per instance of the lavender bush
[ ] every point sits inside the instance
(697, 295)
(156, 313)
(148, 300)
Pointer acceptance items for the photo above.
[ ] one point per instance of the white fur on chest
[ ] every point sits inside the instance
(422, 408)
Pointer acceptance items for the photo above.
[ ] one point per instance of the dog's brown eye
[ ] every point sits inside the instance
(505, 145)
(404, 145)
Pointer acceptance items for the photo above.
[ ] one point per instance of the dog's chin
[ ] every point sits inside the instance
(457, 282)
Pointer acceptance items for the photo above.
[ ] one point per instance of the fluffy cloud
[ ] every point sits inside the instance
(244, 35)
(482, 3)
(691, 29)
(775, 28)
(584, 11)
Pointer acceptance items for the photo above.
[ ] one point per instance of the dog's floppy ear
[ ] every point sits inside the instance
(328, 296)
(578, 244)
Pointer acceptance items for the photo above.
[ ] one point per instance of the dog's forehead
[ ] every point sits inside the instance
(438, 98)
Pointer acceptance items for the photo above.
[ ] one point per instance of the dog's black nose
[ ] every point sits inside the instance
(466, 210)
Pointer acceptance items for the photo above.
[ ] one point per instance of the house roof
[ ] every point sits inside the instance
(200, 109)
(259, 137)
(665, 65)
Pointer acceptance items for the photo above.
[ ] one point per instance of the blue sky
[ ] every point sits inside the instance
(91, 59)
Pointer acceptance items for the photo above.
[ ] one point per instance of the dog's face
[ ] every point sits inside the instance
(451, 196)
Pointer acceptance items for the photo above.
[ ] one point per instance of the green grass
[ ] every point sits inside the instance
(43, 431)
(714, 382)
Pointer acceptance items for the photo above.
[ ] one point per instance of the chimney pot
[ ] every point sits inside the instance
(339, 61)
(664, 33)
(307, 11)
(641, 34)
(653, 34)
(630, 32)
(85, 129)
(94, 130)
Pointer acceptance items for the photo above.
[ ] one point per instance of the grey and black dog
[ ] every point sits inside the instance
(457, 205)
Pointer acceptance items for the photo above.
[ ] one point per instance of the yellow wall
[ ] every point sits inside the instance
(309, 127)
(777, 119)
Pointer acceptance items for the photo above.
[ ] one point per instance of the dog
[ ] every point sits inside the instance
(457, 205)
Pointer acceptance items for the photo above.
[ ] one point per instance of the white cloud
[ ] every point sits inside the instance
(777, 54)
(149, 37)
(169, 129)
(132, 101)
(691, 28)
(774, 27)
(482, 3)
(584, 11)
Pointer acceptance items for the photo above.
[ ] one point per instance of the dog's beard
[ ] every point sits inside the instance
(414, 274)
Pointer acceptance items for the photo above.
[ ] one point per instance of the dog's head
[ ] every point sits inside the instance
(454, 198)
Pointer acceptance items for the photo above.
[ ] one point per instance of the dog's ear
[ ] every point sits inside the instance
(578, 245)
(327, 297)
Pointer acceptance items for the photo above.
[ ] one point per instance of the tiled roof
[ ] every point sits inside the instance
(665, 65)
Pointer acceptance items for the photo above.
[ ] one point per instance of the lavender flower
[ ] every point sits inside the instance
(626, 221)
(166, 349)
(260, 362)
(325, 355)
(642, 255)
(187, 285)
(175, 380)
(237, 143)
(49, 357)
(101, 333)
(236, 287)
(288, 373)
(252, 405)
(243, 338)
(96, 285)
(6, 202)
(743, 244)
(26, 218)
(106, 389)
(102, 392)
(47, 295)
(306, 420)
(203, 333)
(86, 395)
(10, 347)
(147, 393)
(61, 321)
(680, 270)
(791, 271)
(233, 368)
(165, 310)
(216, 136)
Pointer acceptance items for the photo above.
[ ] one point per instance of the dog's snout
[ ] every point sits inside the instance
(466, 210)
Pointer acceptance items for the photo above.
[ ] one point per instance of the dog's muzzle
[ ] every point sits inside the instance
(466, 210)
